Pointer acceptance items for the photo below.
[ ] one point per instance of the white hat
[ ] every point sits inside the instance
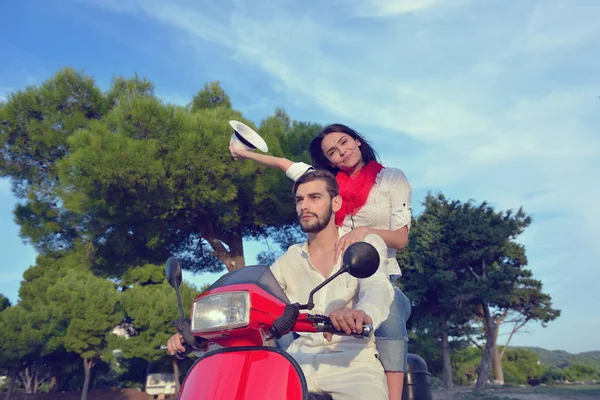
(245, 137)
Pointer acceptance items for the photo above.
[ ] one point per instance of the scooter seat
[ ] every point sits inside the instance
(318, 396)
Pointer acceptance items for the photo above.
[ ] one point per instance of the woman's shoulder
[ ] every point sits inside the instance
(392, 174)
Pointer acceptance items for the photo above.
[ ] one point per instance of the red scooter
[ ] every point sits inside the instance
(242, 312)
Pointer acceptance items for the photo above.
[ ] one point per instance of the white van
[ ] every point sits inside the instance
(160, 385)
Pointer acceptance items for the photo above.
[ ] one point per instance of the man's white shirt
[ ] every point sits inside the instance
(297, 276)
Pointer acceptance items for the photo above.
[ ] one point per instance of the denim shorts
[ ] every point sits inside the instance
(391, 337)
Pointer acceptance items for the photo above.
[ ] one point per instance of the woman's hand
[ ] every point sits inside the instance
(356, 235)
(238, 154)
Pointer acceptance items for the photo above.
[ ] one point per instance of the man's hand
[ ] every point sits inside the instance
(175, 344)
(347, 320)
(356, 235)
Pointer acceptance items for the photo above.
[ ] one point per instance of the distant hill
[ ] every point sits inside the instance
(560, 358)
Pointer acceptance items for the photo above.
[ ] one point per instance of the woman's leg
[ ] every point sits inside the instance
(395, 382)
(391, 339)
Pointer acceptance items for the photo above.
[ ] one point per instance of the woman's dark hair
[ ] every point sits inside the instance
(320, 161)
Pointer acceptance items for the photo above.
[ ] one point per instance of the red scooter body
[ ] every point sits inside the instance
(244, 373)
(245, 368)
(242, 312)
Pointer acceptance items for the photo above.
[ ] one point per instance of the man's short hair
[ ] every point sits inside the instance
(316, 174)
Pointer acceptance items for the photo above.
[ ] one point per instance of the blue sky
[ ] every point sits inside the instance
(491, 100)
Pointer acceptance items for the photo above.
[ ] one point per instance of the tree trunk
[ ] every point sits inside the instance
(447, 366)
(496, 356)
(53, 386)
(176, 374)
(36, 381)
(234, 258)
(27, 378)
(88, 364)
(497, 365)
(11, 385)
(518, 325)
(486, 360)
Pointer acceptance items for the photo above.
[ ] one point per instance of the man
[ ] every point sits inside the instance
(344, 366)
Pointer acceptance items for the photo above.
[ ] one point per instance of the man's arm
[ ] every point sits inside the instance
(276, 270)
(376, 292)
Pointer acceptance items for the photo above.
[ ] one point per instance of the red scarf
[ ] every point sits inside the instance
(355, 190)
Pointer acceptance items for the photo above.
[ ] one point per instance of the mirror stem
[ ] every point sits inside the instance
(181, 316)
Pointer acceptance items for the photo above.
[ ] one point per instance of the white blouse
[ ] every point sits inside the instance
(388, 206)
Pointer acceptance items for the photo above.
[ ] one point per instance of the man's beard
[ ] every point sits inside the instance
(318, 225)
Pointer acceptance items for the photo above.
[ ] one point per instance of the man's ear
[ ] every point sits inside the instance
(336, 203)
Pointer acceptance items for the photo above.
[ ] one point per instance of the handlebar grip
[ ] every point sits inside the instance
(181, 356)
(366, 331)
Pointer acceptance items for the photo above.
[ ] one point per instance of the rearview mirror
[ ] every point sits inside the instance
(361, 259)
(173, 272)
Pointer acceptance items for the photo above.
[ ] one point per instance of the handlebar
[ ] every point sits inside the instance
(188, 350)
(323, 324)
(191, 342)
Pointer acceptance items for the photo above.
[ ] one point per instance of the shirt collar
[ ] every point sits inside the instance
(305, 244)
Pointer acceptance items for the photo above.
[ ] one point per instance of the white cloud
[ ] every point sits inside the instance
(387, 8)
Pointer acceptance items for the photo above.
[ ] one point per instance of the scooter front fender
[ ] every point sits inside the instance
(244, 373)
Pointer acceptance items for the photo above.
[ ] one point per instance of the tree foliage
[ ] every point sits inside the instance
(151, 305)
(4, 302)
(135, 180)
(463, 264)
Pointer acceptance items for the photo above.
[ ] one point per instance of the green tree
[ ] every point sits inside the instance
(463, 262)
(491, 265)
(151, 305)
(522, 367)
(212, 96)
(527, 304)
(465, 363)
(4, 302)
(431, 280)
(89, 306)
(133, 180)
(23, 334)
(35, 124)
(34, 326)
(42, 313)
(581, 372)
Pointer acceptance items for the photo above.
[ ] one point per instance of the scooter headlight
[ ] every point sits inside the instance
(221, 311)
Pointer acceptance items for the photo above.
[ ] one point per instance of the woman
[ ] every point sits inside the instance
(375, 200)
